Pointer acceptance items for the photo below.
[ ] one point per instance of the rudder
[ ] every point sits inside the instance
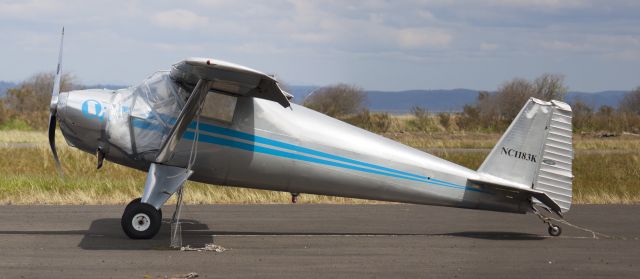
(536, 151)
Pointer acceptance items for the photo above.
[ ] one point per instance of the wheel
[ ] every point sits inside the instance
(134, 201)
(555, 230)
(141, 220)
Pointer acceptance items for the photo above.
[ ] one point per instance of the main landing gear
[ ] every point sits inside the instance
(554, 230)
(142, 217)
(141, 220)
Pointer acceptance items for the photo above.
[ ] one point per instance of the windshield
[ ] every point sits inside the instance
(153, 107)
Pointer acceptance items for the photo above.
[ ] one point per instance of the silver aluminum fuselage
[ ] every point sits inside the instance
(292, 149)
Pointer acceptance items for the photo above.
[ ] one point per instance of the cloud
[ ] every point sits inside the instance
(374, 26)
(353, 36)
(179, 19)
(27, 9)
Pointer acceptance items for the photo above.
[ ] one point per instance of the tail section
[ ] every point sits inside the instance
(536, 153)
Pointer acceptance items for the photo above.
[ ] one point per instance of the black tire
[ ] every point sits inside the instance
(555, 230)
(134, 201)
(138, 200)
(149, 218)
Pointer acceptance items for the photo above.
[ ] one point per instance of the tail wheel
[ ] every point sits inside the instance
(141, 220)
(555, 230)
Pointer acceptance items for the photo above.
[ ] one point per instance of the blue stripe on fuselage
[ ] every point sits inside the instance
(376, 169)
(284, 154)
(258, 139)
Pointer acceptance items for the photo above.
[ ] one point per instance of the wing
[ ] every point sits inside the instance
(201, 75)
(229, 78)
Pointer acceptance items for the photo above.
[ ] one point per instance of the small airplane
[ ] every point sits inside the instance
(216, 122)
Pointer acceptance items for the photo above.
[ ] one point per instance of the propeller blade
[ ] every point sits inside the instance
(53, 107)
(56, 82)
(52, 142)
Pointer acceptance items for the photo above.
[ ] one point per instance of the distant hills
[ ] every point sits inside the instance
(399, 102)
(449, 100)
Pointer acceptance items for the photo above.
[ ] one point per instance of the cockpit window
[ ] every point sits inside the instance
(141, 117)
(157, 104)
(219, 106)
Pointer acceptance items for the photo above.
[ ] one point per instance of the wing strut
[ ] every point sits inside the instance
(184, 119)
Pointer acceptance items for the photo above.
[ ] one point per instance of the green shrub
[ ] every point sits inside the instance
(15, 124)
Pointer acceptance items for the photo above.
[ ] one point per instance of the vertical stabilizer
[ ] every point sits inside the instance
(536, 151)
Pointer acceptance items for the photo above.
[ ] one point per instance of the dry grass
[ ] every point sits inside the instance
(27, 175)
(625, 142)
(8, 137)
(422, 140)
(600, 178)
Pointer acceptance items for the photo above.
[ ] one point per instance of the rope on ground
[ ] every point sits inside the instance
(596, 235)
(547, 220)
(207, 247)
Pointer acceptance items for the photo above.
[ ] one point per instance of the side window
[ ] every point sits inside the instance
(219, 106)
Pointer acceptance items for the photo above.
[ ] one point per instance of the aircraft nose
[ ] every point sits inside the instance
(82, 116)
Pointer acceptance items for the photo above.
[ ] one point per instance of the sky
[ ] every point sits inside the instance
(376, 44)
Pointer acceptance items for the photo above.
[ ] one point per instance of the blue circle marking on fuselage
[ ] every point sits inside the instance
(92, 109)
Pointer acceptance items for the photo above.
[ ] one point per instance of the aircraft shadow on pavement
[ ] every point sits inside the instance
(489, 235)
(497, 235)
(107, 234)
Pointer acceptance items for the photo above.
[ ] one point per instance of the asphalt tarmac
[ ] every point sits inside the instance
(320, 241)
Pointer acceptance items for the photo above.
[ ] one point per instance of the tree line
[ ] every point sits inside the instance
(27, 107)
(492, 112)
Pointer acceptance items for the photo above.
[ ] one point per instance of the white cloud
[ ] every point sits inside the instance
(329, 34)
(179, 19)
(27, 9)
(374, 26)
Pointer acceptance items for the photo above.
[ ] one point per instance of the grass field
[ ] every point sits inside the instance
(606, 170)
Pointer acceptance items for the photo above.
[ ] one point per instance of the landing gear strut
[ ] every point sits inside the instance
(554, 230)
(141, 220)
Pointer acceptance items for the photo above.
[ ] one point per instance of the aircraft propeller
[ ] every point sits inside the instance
(53, 108)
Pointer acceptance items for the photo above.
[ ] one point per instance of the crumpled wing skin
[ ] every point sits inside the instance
(229, 78)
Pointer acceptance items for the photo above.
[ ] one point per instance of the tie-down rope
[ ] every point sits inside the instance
(192, 159)
(595, 235)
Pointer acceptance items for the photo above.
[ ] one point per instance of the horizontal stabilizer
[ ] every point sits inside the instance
(520, 193)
